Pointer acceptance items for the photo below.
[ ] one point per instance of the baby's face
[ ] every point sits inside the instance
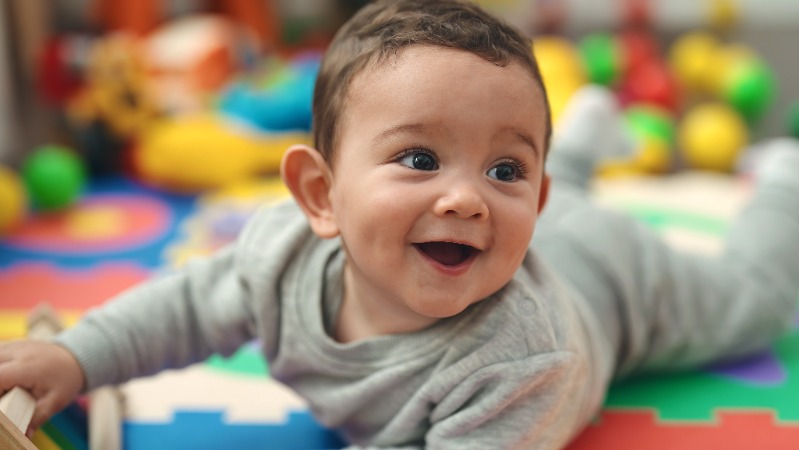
(438, 180)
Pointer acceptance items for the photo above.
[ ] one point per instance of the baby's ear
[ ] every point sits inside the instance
(307, 175)
(543, 194)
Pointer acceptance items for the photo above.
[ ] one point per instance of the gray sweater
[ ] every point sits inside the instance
(525, 368)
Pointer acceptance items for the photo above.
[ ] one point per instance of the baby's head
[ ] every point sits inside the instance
(381, 30)
(431, 125)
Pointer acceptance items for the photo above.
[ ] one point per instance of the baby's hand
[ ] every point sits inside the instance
(48, 371)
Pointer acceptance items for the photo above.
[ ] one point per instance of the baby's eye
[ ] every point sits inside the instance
(506, 171)
(419, 161)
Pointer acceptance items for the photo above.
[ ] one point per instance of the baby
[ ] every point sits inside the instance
(401, 292)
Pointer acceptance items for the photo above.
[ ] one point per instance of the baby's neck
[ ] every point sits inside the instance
(364, 314)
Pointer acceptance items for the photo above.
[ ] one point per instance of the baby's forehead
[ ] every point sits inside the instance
(444, 88)
(417, 67)
(381, 62)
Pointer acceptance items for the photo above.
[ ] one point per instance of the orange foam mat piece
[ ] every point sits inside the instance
(732, 430)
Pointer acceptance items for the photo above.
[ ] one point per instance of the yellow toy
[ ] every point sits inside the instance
(13, 200)
(116, 91)
(711, 137)
(206, 151)
(561, 68)
(691, 59)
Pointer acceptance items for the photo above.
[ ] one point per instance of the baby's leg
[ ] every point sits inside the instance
(590, 130)
(664, 309)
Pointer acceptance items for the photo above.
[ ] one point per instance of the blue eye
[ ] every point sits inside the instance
(505, 172)
(419, 161)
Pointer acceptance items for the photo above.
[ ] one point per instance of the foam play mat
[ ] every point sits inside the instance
(122, 233)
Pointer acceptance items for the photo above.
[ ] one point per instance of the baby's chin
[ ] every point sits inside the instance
(443, 309)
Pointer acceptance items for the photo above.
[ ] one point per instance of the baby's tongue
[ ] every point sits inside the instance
(446, 253)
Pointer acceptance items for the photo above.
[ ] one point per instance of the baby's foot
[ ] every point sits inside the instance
(776, 159)
(592, 127)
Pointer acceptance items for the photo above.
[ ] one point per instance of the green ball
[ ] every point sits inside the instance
(749, 88)
(601, 58)
(651, 121)
(793, 120)
(54, 177)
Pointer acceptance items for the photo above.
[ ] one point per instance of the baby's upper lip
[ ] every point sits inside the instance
(467, 243)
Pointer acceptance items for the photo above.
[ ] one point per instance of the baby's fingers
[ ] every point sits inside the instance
(11, 374)
(46, 407)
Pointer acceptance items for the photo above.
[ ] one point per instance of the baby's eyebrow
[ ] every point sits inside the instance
(520, 134)
(408, 128)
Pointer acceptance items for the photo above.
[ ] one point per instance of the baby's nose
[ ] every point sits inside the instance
(463, 200)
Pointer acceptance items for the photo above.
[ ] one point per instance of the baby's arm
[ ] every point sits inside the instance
(169, 322)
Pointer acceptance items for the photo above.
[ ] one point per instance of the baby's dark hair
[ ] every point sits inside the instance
(380, 30)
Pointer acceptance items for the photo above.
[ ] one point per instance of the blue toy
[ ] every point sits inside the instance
(283, 104)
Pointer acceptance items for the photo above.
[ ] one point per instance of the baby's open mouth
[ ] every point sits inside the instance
(447, 253)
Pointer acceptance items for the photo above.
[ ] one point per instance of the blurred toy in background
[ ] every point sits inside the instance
(691, 59)
(54, 177)
(602, 58)
(724, 14)
(13, 200)
(279, 99)
(136, 17)
(260, 18)
(189, 60)
(561, 68)
(208, 151)
(141, 17)
(309, 25)
(653, 131)
(730, 72)
(114, 104)
(646, 77)
(129, 81)
(60, 67)
(711, 137)
(748, 86)
(792, 121)
(550, 15)
(706, 89)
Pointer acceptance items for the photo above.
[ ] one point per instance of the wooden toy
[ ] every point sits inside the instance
(16, 410)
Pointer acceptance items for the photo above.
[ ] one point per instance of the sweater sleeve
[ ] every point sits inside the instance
(211, 305)
(169, 322)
